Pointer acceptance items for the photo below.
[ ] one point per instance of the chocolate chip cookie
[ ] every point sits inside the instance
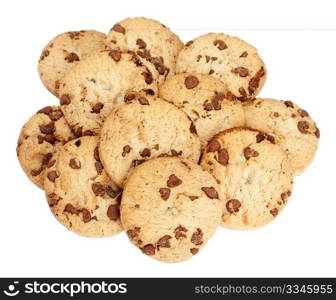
(203, 98)
(228, 58)
(170, 208)
(80, 194)
(64, 51)
(254, 176)
(144, 128)
(91, 89)
(151, 40)
(292, 127)
(38, 140)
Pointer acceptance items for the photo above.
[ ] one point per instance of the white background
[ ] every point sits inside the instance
(301, 67)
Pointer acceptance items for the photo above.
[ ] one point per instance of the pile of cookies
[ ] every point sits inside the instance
(161, 139)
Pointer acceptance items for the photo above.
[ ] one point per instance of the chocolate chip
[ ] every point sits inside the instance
(148, 250)
(223, 157)
(194, 251)
(164, 193)
(303, 113)
(233, 206)
(55, 115)
(243, 94)
(270, 138)
(211, 72)
(303, 126)
(98, 189)
(95, 154)
(192, 198)
(145, 153)
(274, 212)
(69, 208)
(86, 215)
(276, 114)
(52, 175)
(113, 212)
(164, 242)
(148, 77)
(254, 81)
(260, 137)
(197, 237)
(111, 192)
(220, 44)
(88, 133)
(244, 54)
(249, 152)
(51, 163)
(191, 82)
(74, 163)
(192, 128)
(99, 167)
(241, 71)
(189, 43)
(46, 110)
(115, 54)
(207, 106)
(53, 199)
(65, 99)
(149, 92)
(78, 143)
(289, 104)
(50, 138)
(133, 233)
(210, 192)
(71, 57)
(137, 162)
(40, 139)
(173, 181)
(284, 196)
(126, 149)
(118, 28)
(317, 132)
(97, 108)
(129, 98)
(180, 232)
(48, 128)
(141, 43)
(46, 158)
(175, 153)
(36, 172)
(143, 101)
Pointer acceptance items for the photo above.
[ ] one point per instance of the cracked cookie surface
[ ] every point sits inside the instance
(39, 138)
(151, 40)
(80, 194)
(170, 208)
(227, 58)
(253, 173)
(144, 128)
(64, 51)
(292, 127)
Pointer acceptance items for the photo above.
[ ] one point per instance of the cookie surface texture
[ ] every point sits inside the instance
(142, 129)
(151, 40)
(293, 129)
(254, 175)
(39, 139)
(64, 51)
(92, 88)
(203, 98)
(80, 194)
(227, 58)
(170, 208)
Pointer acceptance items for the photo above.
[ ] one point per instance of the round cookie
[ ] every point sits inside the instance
(151, 40)
(254, 176)
(227, 58)
(170, 208)
(80, 194)
(293, 129)
(38, 140)
(202, 97)
(91, 89)
(64, 51)
(144, 128)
